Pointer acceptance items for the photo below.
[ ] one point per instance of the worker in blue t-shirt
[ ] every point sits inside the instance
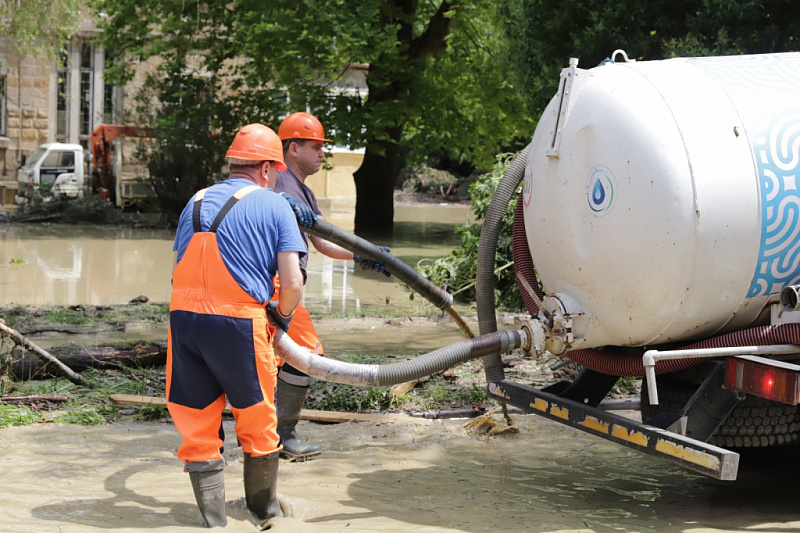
(232, 240)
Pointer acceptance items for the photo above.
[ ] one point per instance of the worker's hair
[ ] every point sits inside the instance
(287, 142)
(239, 162)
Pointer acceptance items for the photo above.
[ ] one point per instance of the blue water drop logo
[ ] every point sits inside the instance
(598, 193)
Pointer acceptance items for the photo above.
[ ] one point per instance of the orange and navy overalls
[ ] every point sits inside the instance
(220, 344)
(302, 331)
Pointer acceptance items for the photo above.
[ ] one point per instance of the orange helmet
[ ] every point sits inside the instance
(301, 126)
(257, 142)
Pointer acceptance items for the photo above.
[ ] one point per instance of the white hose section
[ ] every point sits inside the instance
(364, 375)
(323, 368)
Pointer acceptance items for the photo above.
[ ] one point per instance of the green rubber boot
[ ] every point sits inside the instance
(209, 491)
(261, 487)
(289, 400)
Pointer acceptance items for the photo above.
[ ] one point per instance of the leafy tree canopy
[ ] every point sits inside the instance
(39, 27)
(546, 33)
(436, 76)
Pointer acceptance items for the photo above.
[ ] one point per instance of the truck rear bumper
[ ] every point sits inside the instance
(689, 453)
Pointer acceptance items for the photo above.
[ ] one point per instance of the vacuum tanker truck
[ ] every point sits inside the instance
(656, 236)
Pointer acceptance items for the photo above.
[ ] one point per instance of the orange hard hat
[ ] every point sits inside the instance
(257, 142)
(301, 126)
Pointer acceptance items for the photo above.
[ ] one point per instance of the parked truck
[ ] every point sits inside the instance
(59, 170)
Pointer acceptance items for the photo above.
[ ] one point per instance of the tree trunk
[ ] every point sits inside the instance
(375, 180)
(79, 359)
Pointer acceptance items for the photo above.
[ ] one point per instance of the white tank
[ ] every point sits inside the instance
(661, 197)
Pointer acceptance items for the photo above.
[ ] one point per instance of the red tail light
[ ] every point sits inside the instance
(765, 378)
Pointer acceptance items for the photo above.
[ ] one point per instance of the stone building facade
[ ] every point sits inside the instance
(44, 101)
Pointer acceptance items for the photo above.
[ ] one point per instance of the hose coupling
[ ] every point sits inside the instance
(535, 337)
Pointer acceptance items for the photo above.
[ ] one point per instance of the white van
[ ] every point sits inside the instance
(57, 165)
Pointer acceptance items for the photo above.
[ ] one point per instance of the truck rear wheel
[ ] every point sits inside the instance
(754, 422)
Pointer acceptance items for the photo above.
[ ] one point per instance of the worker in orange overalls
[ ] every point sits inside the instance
(232, 239)
(302, 136)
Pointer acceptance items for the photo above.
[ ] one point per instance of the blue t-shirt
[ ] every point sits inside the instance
(250, 236)
(287, 182)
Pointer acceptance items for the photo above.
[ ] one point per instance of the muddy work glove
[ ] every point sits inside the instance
(305, 216)
(280, 320)
(366, 264)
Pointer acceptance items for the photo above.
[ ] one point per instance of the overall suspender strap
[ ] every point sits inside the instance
(241, 193)
(198, 201)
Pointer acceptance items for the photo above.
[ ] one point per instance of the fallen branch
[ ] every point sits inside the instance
(80, 358)
(33, 398)
(28, 345)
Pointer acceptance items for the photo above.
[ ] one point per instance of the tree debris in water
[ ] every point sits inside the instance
(492, 423)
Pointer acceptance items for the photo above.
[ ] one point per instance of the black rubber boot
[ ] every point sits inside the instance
(209, 491)
(289, 400)
(261, 486)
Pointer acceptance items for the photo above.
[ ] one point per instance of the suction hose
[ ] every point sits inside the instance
(419, 283)
(487, 250)
(384, 375)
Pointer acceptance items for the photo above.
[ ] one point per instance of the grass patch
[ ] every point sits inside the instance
(86, 407)
(22, 317)
(17, 415)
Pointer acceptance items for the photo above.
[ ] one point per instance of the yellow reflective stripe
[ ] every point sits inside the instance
(593, 423)
(687, 454)
(634, 437)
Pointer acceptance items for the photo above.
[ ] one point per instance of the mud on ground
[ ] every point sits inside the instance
(369, 340)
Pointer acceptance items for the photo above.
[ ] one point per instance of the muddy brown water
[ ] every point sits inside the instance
(68, 265)
(404, 474)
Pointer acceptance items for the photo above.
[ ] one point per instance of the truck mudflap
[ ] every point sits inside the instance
(695, 455)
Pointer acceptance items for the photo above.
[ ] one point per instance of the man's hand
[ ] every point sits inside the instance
(305, 216)
(280, 320)
(366, 264)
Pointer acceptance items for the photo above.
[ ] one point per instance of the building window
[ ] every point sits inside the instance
(86, 92)
(109, 101)
(2, 102)
(62, 99)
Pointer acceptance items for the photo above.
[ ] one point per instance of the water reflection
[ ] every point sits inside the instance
(55, 264)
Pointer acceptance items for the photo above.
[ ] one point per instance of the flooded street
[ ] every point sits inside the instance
(402, 474)
(69, 265)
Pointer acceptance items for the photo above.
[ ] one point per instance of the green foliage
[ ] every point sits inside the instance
(152, 412)
(88, 407)
(438, 394)
(436, 79)
(39, 27)
(545, 33)
(20, 317)
(186, 155)
(456, 272)
(337, 397)
(66, 315)
(17, 415)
